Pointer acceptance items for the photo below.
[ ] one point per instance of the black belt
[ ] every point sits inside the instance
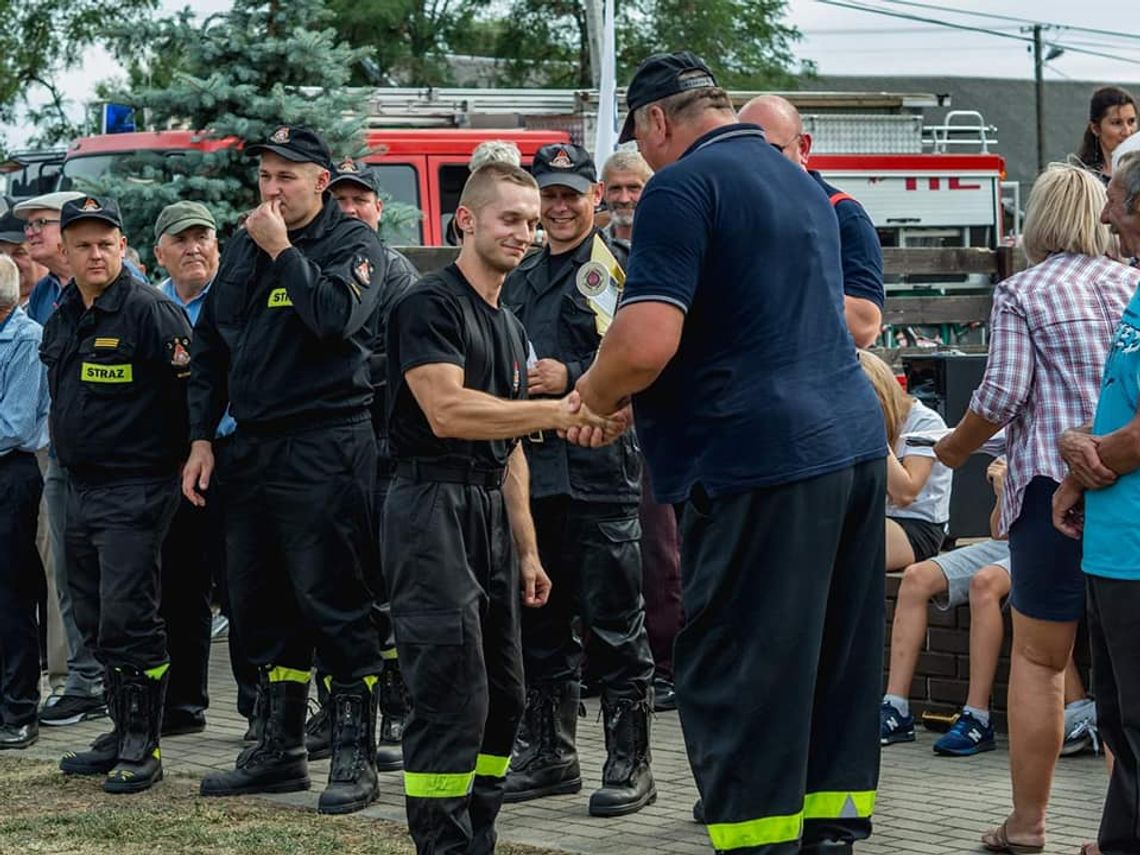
(416, 470)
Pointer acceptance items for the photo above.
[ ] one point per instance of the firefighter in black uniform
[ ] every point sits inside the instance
(585, 508)
(117, 353)
(456, 374)
(284, 338)
(356, 189)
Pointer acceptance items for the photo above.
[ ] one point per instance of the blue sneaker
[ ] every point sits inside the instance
(894, 726)
(968, 736)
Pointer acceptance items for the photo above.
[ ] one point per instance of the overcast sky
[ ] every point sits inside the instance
(858, 42)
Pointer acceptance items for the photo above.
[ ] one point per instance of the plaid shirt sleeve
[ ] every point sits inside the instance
(1009, 370)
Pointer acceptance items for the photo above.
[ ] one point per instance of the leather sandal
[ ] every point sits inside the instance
(997, 840)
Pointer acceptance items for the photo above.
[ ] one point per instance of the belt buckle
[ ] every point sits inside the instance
(536, 436)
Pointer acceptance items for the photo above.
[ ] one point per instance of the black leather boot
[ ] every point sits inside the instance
(318, 729)
(138, 700)
(544, 761)
(627, 782)
(277, 762)
(352, 775)
(101, 757)
(395, 704)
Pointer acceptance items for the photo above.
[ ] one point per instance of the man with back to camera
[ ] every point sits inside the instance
(860, 251)
(117, 354)
(585, 508)
(283, 338)
(356, 188)
(458, 538)
(760, 421)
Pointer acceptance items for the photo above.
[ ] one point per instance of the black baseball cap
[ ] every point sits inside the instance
(659, 76)
(296, 143)
(90, 208)
(564, 164)
(356, 172)
(12, 228)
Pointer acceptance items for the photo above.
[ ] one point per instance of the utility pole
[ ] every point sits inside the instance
(1039, 81)
(594, 11)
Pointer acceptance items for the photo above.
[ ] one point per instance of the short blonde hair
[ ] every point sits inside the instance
(482, 187)
(9, 283)
(494, 151)
(1063, 215)
(894, 401)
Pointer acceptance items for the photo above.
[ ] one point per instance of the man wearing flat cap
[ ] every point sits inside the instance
(284, 338)
(757, 421)
(117, 356)
(356, 188)
(585, 507)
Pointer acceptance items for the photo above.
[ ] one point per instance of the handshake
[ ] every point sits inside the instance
(580, 425)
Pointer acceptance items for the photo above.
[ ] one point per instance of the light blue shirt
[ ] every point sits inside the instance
(193, 308)
(24, 398)
(1112, 515)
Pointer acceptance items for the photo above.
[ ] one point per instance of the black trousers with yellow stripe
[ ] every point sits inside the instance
(779, 663)
(453, 580)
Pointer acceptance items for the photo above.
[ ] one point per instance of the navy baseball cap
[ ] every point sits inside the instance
(12, 229)
(296, 143)
(356, 172)
(660, 76)
(566, 165)
(90, 208)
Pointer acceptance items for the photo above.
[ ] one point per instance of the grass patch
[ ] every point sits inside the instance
(44, 811)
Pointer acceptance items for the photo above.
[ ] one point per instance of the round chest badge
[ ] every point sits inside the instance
(593, 279)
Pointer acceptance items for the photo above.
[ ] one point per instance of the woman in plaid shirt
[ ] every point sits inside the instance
(1050, 331)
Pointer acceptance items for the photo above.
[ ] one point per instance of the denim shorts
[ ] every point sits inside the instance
(1045, 565)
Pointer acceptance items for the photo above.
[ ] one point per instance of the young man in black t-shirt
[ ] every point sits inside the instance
(456, 375)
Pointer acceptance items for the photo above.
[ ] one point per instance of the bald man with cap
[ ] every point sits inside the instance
(862, 256)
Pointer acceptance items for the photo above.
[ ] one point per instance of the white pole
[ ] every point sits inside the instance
(606, 139)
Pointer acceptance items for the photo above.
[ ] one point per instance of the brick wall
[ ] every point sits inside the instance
(943, 673)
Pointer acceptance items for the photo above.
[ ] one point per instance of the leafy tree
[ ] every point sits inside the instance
(545, 42)
(40, 38)
(239, 75)
(407, 40)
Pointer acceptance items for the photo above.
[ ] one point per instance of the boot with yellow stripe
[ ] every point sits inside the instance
(353, 783)
(138, 700)
(277, 762)
(101, 757)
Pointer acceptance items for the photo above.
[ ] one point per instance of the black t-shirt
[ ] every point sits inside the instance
(444, 320)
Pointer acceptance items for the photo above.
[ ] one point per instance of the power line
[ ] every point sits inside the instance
(909, 17)
(955, 26)
(1025, 21)
(878, 31)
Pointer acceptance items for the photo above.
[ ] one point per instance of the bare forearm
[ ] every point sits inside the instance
(969, 435)
(516, 494)
(616, 373)
(468, 414)
(1120, 450)
(900, 486)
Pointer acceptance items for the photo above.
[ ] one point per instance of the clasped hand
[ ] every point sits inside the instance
(586, 428)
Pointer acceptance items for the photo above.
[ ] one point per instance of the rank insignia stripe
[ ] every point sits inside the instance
(91, 372)
(105, 343)
(279, 298)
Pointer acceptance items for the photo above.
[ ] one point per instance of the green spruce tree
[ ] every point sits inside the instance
(237, 76)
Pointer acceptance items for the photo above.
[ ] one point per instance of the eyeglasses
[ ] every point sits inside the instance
(34, 227)
(782, 148)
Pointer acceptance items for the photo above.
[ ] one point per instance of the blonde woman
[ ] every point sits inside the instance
(1050, 332)
(918, 486)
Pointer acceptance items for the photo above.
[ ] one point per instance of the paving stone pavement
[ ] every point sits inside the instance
(927, 805)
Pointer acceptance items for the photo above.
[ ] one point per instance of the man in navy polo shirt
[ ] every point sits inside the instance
(860, 250)
(753, 414)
